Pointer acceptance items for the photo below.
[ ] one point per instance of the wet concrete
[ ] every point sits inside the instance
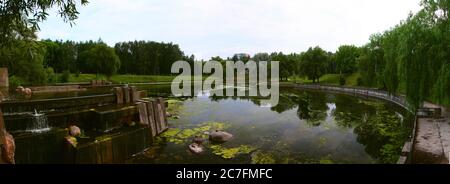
(432, 142)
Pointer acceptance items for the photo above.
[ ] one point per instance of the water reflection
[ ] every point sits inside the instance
(306, 127)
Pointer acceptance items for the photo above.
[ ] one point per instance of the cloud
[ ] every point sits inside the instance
(223, 27)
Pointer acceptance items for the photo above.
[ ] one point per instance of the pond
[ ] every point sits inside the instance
(307, 127)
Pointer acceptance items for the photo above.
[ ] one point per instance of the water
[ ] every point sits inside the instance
(306, 127)
(39, 123)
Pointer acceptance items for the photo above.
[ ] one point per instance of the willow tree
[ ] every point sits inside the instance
(20, 18)
(313, 63)
(371, 62)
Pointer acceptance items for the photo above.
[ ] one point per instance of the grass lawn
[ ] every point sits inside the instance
(330, 79)
(121, 78)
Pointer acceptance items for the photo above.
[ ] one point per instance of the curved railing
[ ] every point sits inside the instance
(371, 92)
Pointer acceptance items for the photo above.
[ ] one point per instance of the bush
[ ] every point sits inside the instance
(77, 74)
(65, 76)
(359, 81)
(51, 76)
(15, 81)
(342, 80)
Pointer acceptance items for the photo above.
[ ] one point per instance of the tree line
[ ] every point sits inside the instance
(413, 56)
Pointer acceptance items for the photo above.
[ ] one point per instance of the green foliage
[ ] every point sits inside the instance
(442, 86)
(346, 59)
(20, 18)
(65, 76)
(342, 80)
(51, 76)
(313, 63)
(103, 60)
(411, 57)
(25, 60)
(148, 58)
(16, 81)
(383, 128)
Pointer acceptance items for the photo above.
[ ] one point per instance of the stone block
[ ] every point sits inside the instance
(151, 118)
(119, 95)
(126, 95)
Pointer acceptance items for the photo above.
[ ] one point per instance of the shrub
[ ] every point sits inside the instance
(342, 80)
(15, 81)
(65, 76)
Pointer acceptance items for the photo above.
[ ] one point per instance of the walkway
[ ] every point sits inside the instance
(432, 140)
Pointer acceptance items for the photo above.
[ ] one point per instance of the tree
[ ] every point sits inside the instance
(313, 63)
(20, 18)
(261, 57)
(287, 68)
(103, 59)
(217, 58)
(25, 62)
(346, 59)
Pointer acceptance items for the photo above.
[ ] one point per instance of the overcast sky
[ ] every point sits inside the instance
(209, 28)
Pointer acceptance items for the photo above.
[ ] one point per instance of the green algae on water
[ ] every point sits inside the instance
(260, 157)
(229, 153)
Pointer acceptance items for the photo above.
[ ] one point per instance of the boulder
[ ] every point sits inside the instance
(8, 149)
(20, 89)
(196, 148)
(220, 136)
(74, 131)
(27, 91)
(198, 140)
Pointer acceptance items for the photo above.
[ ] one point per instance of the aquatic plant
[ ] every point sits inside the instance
(183, 136)
(229, 153)
(260, 157)
(384, 135)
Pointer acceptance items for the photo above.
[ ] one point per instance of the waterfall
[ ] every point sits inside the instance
(39, 123)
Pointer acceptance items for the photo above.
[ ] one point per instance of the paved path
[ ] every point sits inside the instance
(432, 141)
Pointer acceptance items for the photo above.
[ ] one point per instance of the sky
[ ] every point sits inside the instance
(208, 28)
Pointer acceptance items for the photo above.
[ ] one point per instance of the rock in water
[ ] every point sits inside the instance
(27, 91)
(74, 131)
(20, 89)
(220, 136)
(198, 140)
(8, 150)
(196, 148)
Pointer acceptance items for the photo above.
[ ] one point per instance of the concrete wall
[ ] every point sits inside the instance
(4, 79)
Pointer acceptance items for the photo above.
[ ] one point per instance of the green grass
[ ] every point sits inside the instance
(121, 78)
(330, 79)
(352, 79)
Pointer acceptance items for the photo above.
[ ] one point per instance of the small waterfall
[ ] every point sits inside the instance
(39, 123)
